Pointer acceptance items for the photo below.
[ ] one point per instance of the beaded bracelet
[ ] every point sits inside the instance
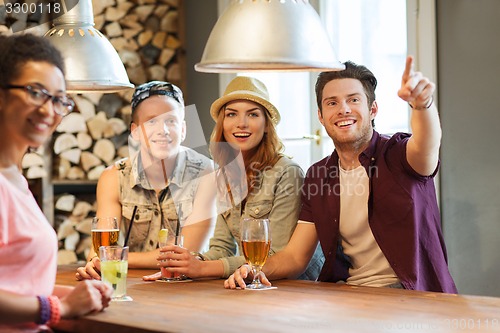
(45, 310)
(55, 310)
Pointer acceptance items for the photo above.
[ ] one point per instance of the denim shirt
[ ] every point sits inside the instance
(402, 213)
(151, 215)
(276, 196)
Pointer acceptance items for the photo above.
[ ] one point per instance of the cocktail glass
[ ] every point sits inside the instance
(114, 269)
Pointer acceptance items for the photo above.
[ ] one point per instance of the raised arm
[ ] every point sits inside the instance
(422, 151)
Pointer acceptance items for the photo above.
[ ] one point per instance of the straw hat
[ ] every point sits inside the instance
(247, 88)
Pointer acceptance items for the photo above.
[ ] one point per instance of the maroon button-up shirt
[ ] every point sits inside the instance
(402, 213)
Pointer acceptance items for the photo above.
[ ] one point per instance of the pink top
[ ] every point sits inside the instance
(28, 243)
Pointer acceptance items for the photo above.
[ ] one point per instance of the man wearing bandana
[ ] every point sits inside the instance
(162, 185)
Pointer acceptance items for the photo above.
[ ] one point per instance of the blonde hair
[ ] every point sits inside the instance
(265, 155)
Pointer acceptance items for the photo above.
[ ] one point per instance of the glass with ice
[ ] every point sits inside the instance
(114, 269)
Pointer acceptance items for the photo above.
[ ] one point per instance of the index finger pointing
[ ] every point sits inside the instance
(408, 69)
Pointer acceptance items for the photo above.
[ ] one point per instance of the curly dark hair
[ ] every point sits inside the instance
(17, 50)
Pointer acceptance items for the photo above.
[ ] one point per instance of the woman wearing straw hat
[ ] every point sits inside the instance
(246, 122)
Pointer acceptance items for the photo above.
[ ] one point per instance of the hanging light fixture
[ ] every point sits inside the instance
(92, 63)
(268, 35)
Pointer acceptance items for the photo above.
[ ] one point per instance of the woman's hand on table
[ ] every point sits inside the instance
(152, 277)
(86, 297)
(242, 276)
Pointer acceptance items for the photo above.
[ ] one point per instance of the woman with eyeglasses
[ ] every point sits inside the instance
(162, 185)
(32, 103)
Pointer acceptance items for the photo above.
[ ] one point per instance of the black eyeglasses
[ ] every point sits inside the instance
(37, 96)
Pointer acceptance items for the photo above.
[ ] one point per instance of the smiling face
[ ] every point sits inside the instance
(23, 125)
(244, 124)
(159, 125)
(346, 114)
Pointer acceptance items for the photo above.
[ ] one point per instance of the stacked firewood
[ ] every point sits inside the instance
(33, 164)
(85, 143)
(88, 141)
(148, 38)
(73, 223)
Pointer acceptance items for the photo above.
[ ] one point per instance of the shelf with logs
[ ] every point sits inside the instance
(63, 174)
(150, 39)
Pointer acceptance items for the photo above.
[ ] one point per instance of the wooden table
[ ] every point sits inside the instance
(296, 306)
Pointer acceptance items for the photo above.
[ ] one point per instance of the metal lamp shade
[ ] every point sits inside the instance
(268, 35)
(92, 63)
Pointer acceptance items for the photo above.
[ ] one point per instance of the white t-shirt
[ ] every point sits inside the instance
(369, 265)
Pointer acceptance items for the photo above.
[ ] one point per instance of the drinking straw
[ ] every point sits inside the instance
(130, 226)
(162, 196)
(178, 226)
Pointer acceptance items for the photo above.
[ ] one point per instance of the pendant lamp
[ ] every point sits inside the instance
(268, 35)
(92, 63)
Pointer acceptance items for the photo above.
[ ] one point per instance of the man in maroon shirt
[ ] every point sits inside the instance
(372, 203)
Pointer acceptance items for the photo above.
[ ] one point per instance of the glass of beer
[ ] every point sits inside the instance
(255, 243)
(104, 232)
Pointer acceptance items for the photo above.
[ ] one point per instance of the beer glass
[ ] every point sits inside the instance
(104, 232)
(255, 244)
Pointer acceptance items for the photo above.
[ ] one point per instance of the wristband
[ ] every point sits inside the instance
(45, 308)
(422, 107)
(55, 310)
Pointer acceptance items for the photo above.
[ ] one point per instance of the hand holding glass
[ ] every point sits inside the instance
(104, 232)
(164, 240)
(255, 243)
